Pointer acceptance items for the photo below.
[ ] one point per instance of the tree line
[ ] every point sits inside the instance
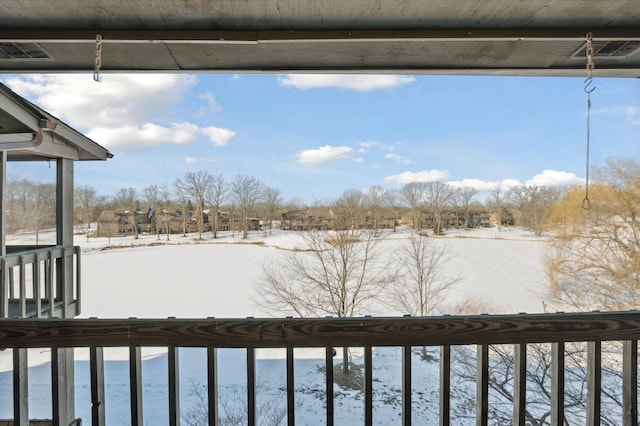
(31, 205)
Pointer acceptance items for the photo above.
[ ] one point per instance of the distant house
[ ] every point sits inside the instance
(450, 219)
(307, 220)
(112, 222)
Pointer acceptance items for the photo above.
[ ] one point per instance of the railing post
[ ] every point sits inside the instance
(328, 364)
(482, 385)
(212, 385)
(23, 288)
(20, 387)
(49, 287)
(291, 401)
(62, 379)
(174, 386)
(251, 386)
(368, 386)
(406, 386)
(557, 383)
(135, 385)
(594, 382)
(445, 385)
(4, 288)
(519, 384)
(630, 383)
(78, 251)
(96, 362)
(37, 296)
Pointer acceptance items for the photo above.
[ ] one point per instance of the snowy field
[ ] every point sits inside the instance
(196, 279)
(187, 278)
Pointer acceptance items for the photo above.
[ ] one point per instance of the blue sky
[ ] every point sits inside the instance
(314, 136)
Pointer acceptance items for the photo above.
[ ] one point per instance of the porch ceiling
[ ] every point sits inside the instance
(482, 37)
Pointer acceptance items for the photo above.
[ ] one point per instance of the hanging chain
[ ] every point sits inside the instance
(586, 203)
(98, 61)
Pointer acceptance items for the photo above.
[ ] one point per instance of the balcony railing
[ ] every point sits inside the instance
(406, 333)
(33, 282)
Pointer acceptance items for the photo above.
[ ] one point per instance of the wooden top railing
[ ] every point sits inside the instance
(328, 333)
(320, 332)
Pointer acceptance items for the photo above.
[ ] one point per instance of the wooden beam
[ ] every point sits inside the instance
(326, 332)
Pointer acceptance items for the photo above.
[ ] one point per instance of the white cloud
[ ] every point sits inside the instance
(120, 100)
(422, 176)
(191, 160)
(210, 100)
(194, 159)
(634, 113)
(324, 154)
(553, 178)
(136, 138)
(398, 158)
(477, 184)
(360, 83)
(218, 135)
(358, 160)
(127, 111)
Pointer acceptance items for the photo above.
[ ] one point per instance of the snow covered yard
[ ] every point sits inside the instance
(183, 277)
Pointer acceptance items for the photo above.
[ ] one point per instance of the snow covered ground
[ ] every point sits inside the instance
(184, 277)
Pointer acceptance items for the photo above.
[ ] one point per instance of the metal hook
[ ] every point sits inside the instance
(587, 85)
(586, 203)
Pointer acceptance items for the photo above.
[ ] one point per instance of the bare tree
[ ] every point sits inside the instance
(375, 200)
(438, 196)
(349, 210)
(535, 204)
(41, 206)
(393, 200)
(413, 195)
(218, 193)
(272, 203)
(246, 191)
(198, 185)
(464, 197)
(594, 261)
(180, 192)
(422, 285)
(127, 198)
(85, 201)
(340, 273)
(151, 195)
(499, 198)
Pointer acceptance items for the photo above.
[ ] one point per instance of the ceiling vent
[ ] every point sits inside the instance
(22, 51)
(610, 49)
